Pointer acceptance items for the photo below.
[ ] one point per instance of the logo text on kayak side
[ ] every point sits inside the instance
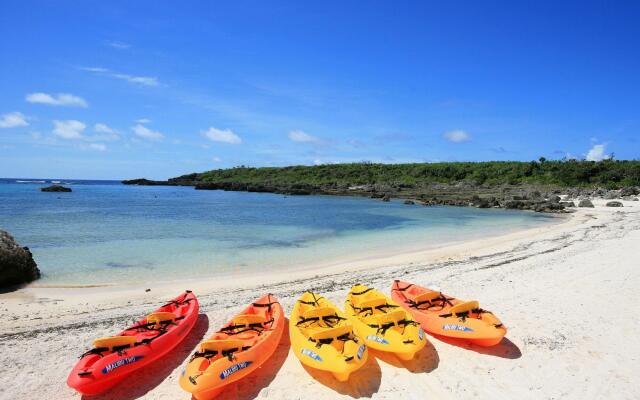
(421, 333)
(120, 363)
(361, 350)
(311, 354)
(453, 327)
(378, 339)
(234, 368)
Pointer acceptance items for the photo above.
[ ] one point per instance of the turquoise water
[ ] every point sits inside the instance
(105, 232)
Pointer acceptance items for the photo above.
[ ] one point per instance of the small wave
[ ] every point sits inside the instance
(18, 181)
(143, 265)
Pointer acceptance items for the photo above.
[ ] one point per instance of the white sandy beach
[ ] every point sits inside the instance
(566, 292)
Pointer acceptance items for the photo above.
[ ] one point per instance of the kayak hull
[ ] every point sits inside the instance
(387, 327)
(339, 357)
(206, 377)
(483, 329)
(95, 373)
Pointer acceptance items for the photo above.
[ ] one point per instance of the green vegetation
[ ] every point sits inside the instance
(607, 173)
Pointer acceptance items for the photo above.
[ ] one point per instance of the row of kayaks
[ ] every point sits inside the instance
(323, 336)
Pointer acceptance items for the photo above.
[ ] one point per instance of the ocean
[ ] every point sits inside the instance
(108, 233)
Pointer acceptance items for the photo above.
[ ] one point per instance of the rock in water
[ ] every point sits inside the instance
(614, 204)
(55, 188)
(409, 202)
(585, 203)
(16, 263)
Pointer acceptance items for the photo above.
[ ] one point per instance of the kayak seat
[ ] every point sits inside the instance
(221, 345)
(249, 319)
(372, 303)
(114, 341)
(319, 312)
(392, 317)
(426, 297)
(464, 307)
(156, 319)
(331, 333)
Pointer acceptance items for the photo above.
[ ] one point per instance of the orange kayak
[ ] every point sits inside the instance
(445, 316)
(236, 350)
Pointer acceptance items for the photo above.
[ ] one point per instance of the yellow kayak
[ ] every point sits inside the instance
(383, 324)
(322, 338)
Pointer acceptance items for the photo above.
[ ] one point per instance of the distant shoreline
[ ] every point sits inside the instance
(523, 197)
(534, 185)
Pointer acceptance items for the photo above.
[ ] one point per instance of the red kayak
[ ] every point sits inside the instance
(114, 358)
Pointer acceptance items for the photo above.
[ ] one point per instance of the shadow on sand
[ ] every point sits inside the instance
(142, 381)
(250, 386)
(12, 288)
(362, 383)
(425, 361)
(505, 349)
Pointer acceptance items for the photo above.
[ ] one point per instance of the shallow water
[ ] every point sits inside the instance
(105, 232)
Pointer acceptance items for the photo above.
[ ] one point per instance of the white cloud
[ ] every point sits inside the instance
(300, 136)
(596, 153)
(146, 133)
(457, 136)
(94, 69)
(105, 133)
(13, 120)
(61, 99)
(216, 159)
(143, 121)
(69, 129)
(220, 135)
(140, 80)
(103, 128)
(119, 45)
(97, 146)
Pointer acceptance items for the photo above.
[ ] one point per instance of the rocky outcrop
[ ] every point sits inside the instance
(585, 203)
(145, 182)
(55, 188)
(180, 181)
(16, 263)
(294, 189)
(568, 203)
(614, 204)
(386, 198)
(612, 194)
(629, 191)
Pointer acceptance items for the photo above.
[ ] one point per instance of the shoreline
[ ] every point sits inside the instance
(540, 283)
(360, 260)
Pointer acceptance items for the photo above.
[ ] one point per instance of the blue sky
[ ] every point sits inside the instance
(123, 89)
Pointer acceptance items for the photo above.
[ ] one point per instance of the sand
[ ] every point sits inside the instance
(567, 292)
